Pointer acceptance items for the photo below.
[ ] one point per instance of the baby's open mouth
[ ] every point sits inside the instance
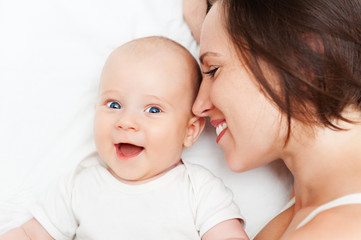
(127, 150)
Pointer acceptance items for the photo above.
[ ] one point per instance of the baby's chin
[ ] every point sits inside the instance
(138, 177)
(132, 179)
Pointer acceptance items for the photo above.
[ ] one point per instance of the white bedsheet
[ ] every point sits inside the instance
(51, 55)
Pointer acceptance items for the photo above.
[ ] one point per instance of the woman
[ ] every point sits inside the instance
(282, 79)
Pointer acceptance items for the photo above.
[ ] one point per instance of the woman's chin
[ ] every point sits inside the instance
(238, 162)
(235, 163)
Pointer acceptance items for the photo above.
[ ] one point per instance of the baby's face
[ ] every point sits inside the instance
(142, 113)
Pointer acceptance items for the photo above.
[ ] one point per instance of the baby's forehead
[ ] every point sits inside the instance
(163, 57)
(153, 47)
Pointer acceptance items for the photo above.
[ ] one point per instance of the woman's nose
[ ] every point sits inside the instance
(203, 104)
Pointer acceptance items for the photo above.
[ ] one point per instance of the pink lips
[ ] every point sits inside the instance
(127, 151)
(216, 124)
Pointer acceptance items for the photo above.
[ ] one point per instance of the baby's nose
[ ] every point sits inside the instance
(128, 122)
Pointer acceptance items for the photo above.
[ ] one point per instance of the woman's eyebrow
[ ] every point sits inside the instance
(201, 58)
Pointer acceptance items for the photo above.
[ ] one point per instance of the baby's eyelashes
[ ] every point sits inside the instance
(153, 110)
(113, 104)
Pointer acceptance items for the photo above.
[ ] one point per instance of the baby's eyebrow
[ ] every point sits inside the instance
(162, 100)
(156, 97)
(106, 92)
(201, 58)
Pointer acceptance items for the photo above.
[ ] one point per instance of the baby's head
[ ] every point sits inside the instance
(144, 114)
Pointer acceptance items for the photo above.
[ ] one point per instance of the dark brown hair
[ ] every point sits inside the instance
(312, 46)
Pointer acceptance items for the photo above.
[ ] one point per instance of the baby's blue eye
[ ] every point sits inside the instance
(153, 110)
(114, 105)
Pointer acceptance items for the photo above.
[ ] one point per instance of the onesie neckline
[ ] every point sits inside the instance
(118, 186)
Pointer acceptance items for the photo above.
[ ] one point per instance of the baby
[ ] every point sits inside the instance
(140, 188)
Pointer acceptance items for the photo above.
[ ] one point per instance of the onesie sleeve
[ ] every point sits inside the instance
(213, 200)
(53, 210)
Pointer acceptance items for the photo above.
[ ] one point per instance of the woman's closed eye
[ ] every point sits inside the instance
(153, 110)
(211, 72)
(113, 104)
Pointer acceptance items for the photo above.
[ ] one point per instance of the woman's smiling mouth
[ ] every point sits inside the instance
(221, 127)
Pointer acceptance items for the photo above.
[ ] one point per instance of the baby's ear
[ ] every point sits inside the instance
(194, 130)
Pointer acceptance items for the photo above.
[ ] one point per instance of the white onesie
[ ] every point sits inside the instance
(92, 204)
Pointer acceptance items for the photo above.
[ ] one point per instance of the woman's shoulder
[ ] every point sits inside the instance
(335, 222)
(342, 222)
(277, 226)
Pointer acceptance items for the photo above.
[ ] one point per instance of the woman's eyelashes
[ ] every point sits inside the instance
(113, 104)
(211, 72)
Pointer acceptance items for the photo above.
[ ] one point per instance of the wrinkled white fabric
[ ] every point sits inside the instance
(92, 204)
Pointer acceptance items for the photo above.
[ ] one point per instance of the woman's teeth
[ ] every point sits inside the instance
(220, 128)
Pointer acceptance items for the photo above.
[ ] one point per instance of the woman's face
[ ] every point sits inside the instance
(248, 126)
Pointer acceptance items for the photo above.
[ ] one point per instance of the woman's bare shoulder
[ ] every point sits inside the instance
(341, 222)
(277, 226)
